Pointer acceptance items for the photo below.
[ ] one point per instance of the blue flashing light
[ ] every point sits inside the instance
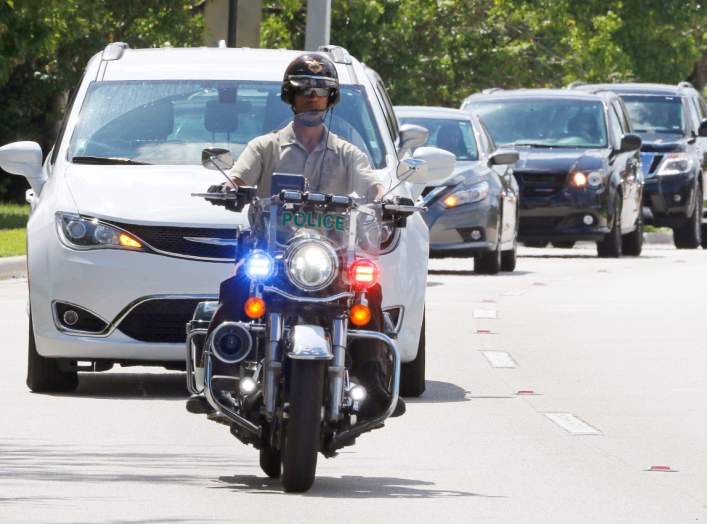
(259, 265)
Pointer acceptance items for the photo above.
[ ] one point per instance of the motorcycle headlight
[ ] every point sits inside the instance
(467, 195)
(675, 164)
(259, 266)
(79, 232)
(312, 265)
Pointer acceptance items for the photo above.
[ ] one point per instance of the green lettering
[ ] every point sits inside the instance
(286, 217)
(299, 219)
(339, 223)
(311, 222)
(328, 222)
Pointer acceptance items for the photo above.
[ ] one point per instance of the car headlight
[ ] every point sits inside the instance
(582, 179)
(312, 265)
(467, 195)
(675, 164)
(79, 232)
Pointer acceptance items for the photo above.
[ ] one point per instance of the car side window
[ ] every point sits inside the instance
(697, 111)
(703, 106)
(387, 107)
(64, 122)
(623, 117)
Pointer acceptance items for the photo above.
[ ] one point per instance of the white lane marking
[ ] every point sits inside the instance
(572, 424)
(485, 313)
(500, 359)
(514, 293)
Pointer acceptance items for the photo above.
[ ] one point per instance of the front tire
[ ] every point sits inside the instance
(44, 374)
(509, 258)
(689, 235)
(610, 247)
(270, 461)
(488, 263)
(303, 425)
(632, 244)
(412, 374)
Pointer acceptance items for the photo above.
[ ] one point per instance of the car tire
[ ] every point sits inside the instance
(535, 243)
(412, 374)
(564, 245)
(508, 258)
(44, 374)
(632, 244)
(610, 247)
(689, 235)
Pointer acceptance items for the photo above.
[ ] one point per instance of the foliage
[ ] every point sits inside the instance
(439, 51)
(13, 219)
(45, 45)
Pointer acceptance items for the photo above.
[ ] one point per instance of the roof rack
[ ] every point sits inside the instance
(491, 90)
(114, 51)
(575, 84)
(686, 84)
(337, 53)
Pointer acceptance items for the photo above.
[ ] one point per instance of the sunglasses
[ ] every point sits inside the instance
(308, 91)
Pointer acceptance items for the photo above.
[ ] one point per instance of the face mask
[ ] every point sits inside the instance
(310, 118)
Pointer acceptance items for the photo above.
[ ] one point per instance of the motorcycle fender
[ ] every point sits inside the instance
(309, 343)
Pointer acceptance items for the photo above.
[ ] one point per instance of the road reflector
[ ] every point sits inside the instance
(500, 359)
(572, 424)
(664, 469)
(484, 332)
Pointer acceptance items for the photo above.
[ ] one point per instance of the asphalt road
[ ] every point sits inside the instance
(613, 352)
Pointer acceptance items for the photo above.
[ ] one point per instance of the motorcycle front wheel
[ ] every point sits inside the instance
(303, 427)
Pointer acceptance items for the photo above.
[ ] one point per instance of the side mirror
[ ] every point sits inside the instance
(630, 142)
(25, 159)
(217, 158)
(702, 130)
(433, 165)
(411, 137)
(503, 157)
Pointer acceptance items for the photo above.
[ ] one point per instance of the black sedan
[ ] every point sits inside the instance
(474, 212)
(671, 120)
(579, 170)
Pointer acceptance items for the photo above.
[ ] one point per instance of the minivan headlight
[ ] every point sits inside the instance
(79, 232)
(675, 164)
(312, 265)
(467, 195)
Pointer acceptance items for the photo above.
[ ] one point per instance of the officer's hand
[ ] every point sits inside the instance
(376, 192)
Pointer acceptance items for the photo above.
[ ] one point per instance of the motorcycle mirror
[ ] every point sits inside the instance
(217, 158)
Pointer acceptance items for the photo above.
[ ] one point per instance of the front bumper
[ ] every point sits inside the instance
(668, 199)
(451, 230)
(560, 217)
(135, 294)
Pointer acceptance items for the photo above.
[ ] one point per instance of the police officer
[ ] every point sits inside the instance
(330, 165)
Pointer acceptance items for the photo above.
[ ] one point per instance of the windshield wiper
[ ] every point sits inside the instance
(529, 144)
(107, 160)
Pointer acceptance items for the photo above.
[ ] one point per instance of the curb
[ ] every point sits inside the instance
(13, 267)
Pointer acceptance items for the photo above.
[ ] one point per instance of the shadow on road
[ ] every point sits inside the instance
(468, 272)
(148, 386)
(588, 256)
(351, 487)
(439, 392)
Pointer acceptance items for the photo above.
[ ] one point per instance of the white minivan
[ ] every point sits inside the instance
(119, 252)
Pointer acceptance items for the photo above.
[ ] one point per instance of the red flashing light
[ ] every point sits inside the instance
(363, 274)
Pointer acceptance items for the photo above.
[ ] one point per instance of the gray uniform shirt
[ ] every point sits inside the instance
(337, 167)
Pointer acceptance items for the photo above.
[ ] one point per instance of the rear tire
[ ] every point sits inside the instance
(632, 244)
(303, 427)
(610, 247)
(44, 374)
(270, 461)
(412, 374)
(689, 235)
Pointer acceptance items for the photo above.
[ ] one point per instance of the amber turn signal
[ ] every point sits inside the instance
(360, 315)
(128, 241)
(254, 307)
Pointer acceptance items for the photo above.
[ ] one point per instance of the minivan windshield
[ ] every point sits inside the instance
(172, 121)
(543, 122)
(656, 114)
(455, 136)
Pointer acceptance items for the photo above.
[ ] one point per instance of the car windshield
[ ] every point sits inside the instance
(656, 114)
(455, 136)
(171, 122)
(544, 122)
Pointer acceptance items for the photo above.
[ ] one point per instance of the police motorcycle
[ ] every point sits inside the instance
(275, 368)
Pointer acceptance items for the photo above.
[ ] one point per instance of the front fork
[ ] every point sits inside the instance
(273, 366)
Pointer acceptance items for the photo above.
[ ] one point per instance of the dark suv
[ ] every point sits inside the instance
(579, 169)
(671, 120)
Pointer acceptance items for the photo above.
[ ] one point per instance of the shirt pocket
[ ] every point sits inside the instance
(334, 177)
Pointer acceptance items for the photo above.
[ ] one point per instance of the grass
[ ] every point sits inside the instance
(13, 235)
